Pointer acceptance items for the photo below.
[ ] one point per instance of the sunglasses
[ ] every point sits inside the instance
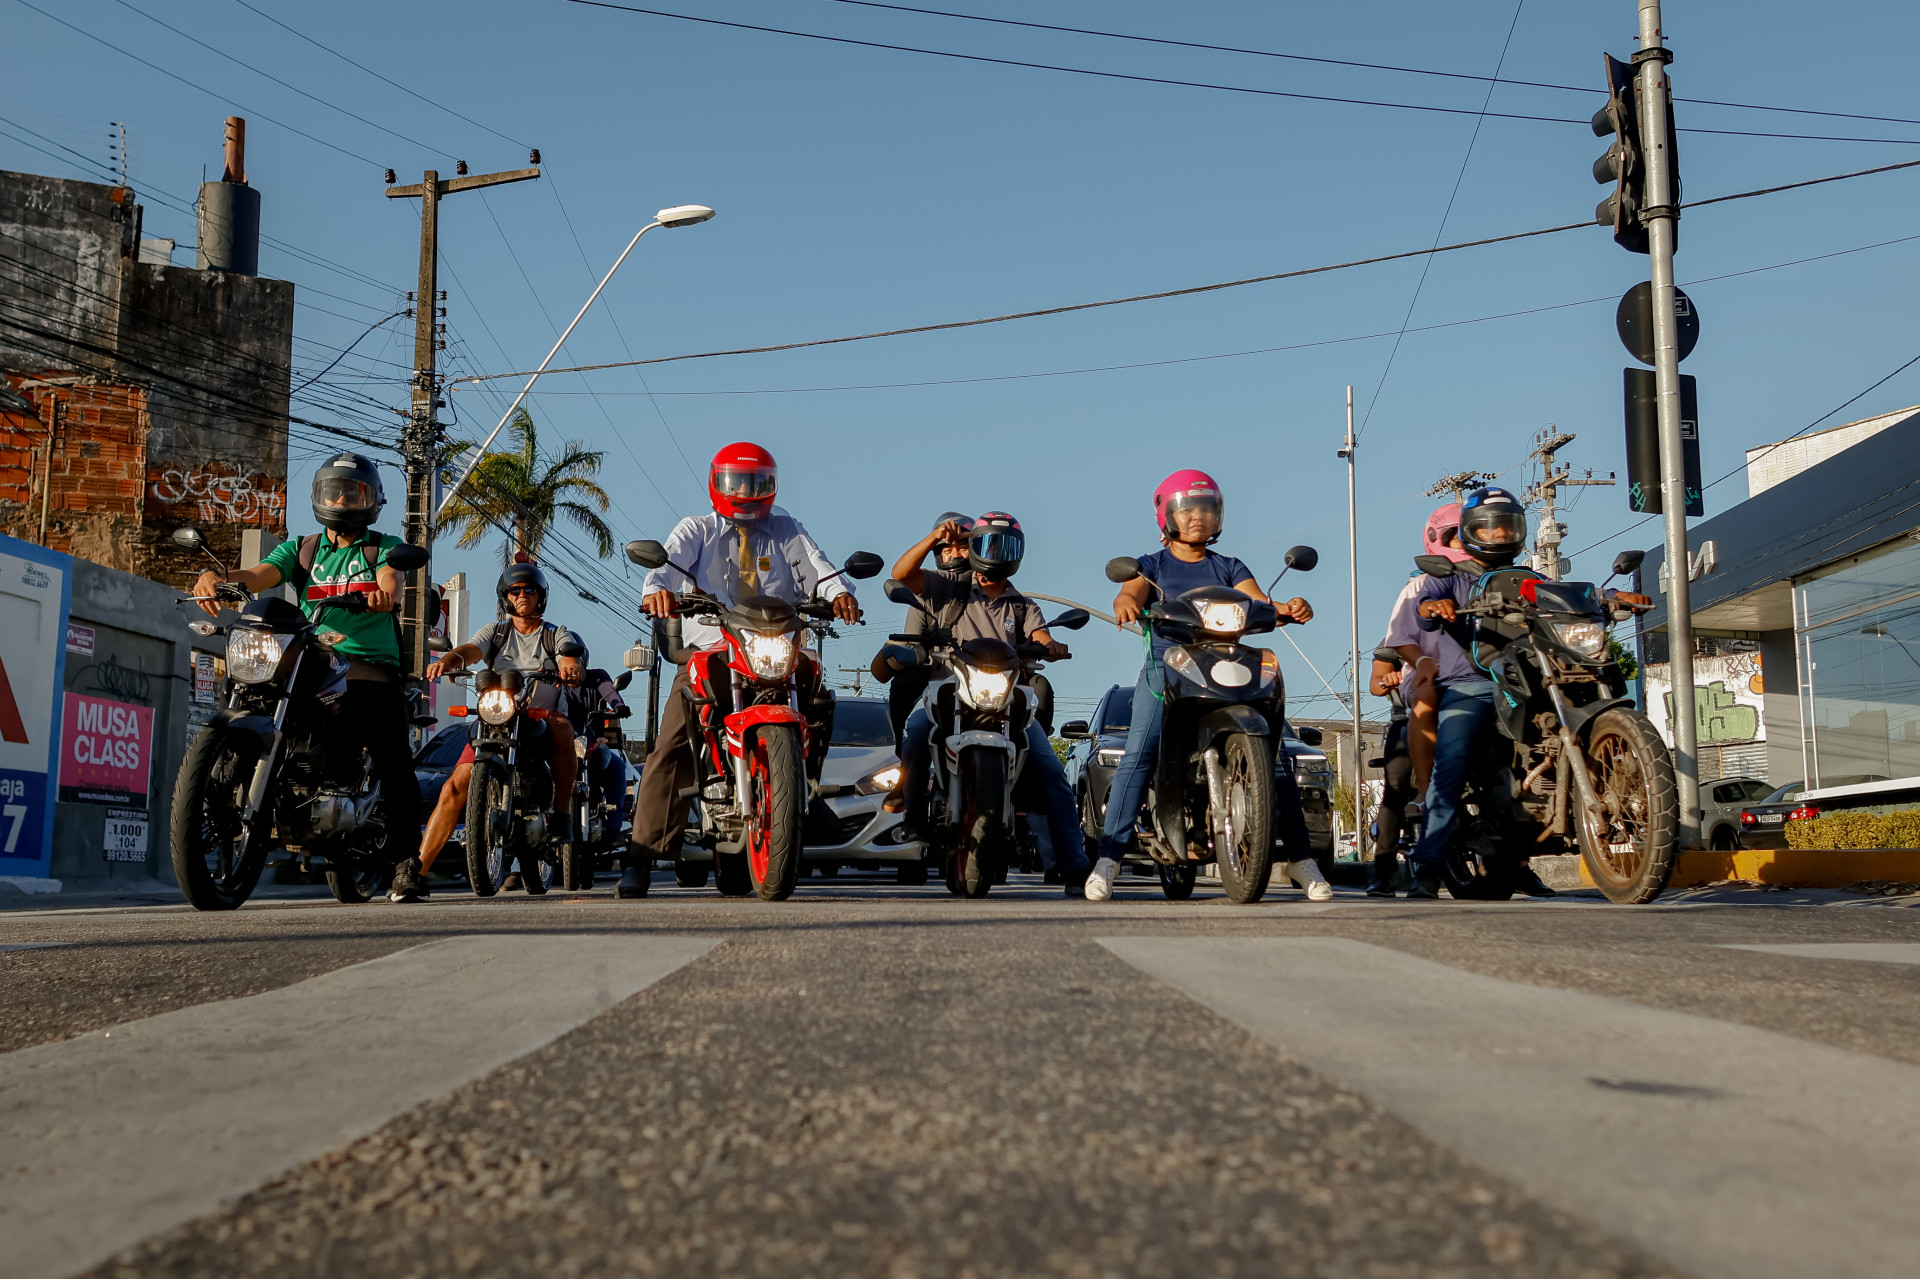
(522, 590)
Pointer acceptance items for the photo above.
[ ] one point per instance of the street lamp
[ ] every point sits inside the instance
(678, 215)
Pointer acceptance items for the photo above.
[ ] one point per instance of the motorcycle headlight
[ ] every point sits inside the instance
(1589, 639)
(496, 706)
(879, 781)
(984, 690)
(770, 656)
(1223, 617)
(253, 656)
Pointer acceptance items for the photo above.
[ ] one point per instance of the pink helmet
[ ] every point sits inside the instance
(1188, 490)
(1441, 525)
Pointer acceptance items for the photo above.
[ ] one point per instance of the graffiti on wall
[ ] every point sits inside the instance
(184, 495)
(1728, 701)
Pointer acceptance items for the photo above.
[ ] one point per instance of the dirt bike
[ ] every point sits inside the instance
(595, 817)
(980, 711)
(260, 776)
(1211, 798)
(510, 790)
(1591, 766)
(753, 739)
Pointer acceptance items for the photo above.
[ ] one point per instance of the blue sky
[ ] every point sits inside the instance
(862, 189)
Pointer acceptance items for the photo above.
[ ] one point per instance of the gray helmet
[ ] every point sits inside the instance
(347, 496)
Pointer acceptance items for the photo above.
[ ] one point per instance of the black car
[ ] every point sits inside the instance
(1096, 745)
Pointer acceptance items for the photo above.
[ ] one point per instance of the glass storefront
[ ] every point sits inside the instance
(1857, 633)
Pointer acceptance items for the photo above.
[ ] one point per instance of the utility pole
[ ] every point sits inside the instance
(859, 674)
(1661, 215)
(1546, 542)
(421, 439)
(1460, 483)
(1353, 591)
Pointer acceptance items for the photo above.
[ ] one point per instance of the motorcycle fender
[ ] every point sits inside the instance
(259, 725)
(263, 728)
(753, 717)
(1237, 717)
(1170, 802)
(1580, 718)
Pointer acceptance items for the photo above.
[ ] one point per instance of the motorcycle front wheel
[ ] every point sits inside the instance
(1630, 847)
(214, 865)
(1177, 881)
(777, 782)
(489, 827)
(1244, 833)
(973, 864)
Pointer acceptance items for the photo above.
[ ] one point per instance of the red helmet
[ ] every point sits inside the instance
(1185, 491)
(741, 482)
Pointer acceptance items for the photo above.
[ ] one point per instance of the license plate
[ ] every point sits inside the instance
(1772, 819)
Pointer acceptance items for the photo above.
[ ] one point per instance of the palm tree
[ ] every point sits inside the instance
(509, 490)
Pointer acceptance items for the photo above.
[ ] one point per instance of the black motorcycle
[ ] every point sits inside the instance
(980, 712)
(510, 790)
(1591, 767)
(596, 817)
(260, 776)
(1212, 794)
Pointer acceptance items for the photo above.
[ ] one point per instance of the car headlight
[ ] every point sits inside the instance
(984, 690)
(770, 656)
(253, 656)
(1109, 757)
(1223, 617)
(1589, 639)
(496, 706)
(879, 781)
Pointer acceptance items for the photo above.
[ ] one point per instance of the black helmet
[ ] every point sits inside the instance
(347, 496)
(950, 555)
(1493, 526)
(997, 546)
(520, 575)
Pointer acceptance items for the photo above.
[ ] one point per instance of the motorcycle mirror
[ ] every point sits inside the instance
(897, 591)
(623, 679)
(1071, 620)
(1304, 558)
(572, 648)
(625, 712)
(862, 565)
(1434, 565)
(638, 658)
(439, 644)
(647, 553)
(189, 538)
(405, 558)
(1123, 569)
(1388, 656)
(1627, 561)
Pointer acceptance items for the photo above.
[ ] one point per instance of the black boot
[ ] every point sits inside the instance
(1528, 882)
(1385, 867)
(1427, 882)
(635, 879)
(409, 882)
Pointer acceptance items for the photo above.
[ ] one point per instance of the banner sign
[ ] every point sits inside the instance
(35, 591)
(124, 835)
(106, 753)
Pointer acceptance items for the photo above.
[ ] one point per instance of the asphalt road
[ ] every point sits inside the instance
(876, 1080)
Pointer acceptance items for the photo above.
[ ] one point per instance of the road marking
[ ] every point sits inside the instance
(1879, 952)
(1729, 1150)
(111, 1138)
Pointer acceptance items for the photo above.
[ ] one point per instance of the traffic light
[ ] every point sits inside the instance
(1643, 443)
(1624, 164)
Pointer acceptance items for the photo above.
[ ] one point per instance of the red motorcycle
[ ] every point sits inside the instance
(753, 692)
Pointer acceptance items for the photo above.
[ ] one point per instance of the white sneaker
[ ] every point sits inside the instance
(1307, 874)
(1100, 879)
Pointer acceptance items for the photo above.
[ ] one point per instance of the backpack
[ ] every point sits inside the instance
(497, 639)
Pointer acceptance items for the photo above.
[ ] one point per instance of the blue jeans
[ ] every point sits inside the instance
(1043, 774)
(1464, 707)
(607, 774)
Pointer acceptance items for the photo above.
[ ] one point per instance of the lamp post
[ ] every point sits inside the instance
(678, 215)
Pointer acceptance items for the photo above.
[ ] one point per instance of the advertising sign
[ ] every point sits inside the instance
(106, 753)
(124, 835)
(35, 591)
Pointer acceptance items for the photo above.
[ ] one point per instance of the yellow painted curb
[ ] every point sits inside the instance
(1795, 867)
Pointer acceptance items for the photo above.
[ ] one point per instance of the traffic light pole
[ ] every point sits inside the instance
(1661, 215)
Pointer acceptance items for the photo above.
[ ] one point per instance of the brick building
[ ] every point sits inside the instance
(135, 396)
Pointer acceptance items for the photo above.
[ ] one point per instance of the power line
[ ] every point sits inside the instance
(1345, 62)
(1185, 84)
(345, 351)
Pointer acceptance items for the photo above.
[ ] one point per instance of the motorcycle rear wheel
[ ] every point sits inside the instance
(1177, 881)
(1631, 857)
(208, 863)
(489, 828)
(972, 866)
(576, 866)
(777, 778)
(1246, 854)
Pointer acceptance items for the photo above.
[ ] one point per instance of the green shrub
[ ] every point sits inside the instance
(1857, 830)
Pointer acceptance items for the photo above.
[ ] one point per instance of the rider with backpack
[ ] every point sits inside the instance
(523, 640)
(349, 558)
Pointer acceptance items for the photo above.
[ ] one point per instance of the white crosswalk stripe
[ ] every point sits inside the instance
(1878, 952)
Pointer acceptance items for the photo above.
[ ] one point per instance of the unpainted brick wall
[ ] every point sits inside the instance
(94, 484)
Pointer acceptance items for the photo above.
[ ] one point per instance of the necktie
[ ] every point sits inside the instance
(749, 572)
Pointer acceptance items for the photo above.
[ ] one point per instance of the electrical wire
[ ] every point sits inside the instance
(344, 353)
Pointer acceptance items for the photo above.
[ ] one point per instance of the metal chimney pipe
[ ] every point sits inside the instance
(229, 230)
(236, 151)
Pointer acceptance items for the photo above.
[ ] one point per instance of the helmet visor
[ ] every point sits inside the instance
(344, 493)
(744, 484)
(1193, 515)
(999, 546)
(1494, 526)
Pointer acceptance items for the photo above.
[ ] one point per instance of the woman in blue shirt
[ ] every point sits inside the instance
(1190, 511)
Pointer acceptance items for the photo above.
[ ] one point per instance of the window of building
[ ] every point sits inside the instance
(1858, 639)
